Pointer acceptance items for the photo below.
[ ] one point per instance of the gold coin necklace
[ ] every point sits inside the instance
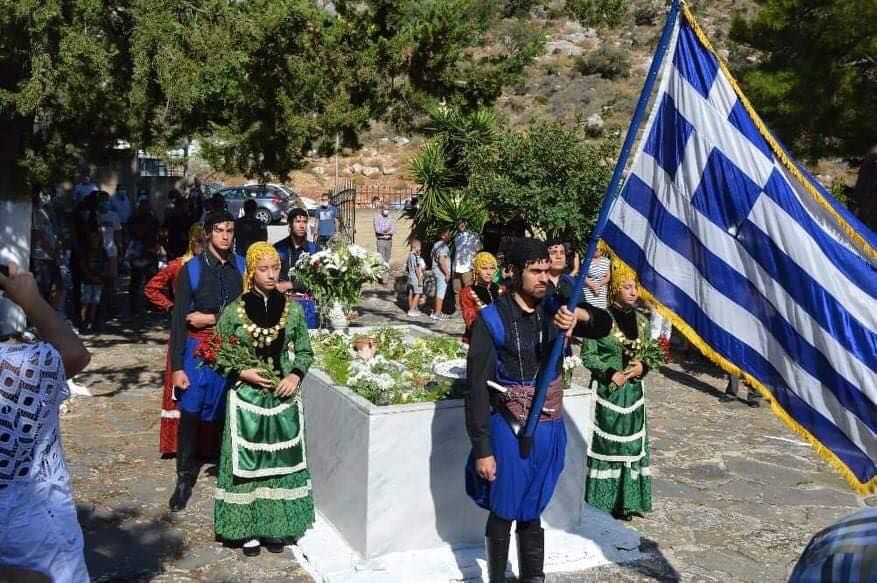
(262, 337)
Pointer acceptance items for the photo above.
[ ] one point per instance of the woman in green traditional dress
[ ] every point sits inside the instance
(619, 478)
(263, 494)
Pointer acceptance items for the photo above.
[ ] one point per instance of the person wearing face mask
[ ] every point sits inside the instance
(327, 221)
(384, 228)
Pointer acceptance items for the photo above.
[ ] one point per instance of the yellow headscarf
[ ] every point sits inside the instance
(196, 235)
(620, 272)
(256, 253)
(483, 258)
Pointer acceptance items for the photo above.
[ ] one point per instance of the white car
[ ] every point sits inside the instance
(309, 204)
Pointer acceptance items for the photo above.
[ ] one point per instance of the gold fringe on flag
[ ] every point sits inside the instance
(856, 238)
(729, 367)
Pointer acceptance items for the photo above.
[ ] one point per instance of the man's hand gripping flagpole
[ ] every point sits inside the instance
(548, 371)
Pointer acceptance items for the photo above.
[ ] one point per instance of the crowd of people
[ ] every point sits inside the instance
(239, 349)
(83, 239)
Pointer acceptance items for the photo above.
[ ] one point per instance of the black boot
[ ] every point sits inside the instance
(531, 555)
(187, 442)
(497, 557)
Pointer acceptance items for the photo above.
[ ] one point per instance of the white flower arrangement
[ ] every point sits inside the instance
(337, 273)
(399, 372)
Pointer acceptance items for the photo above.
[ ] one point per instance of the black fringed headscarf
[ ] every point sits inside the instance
(527, 251)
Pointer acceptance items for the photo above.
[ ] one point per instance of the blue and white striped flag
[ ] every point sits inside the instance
(753, 260)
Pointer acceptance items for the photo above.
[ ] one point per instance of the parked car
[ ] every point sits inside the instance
(274, 202)
(309, 205)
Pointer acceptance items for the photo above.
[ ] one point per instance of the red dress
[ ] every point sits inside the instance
(156, 291)
(473, 300)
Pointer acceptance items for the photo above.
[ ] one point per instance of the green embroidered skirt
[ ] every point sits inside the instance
(619, 478)
(264, 487)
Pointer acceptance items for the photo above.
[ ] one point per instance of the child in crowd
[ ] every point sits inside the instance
(414, 267)
(93, 266)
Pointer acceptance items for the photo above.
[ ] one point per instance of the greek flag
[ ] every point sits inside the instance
(751, 258)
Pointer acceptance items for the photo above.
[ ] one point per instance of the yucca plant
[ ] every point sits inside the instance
(431, 172)
(458, 205)
(460, 141)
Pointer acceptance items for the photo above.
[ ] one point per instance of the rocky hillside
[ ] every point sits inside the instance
(591, 75)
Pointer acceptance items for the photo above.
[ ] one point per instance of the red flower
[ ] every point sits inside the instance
(206, 349)
(232, 339)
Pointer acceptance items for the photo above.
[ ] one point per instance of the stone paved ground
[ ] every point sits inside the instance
(737, 495)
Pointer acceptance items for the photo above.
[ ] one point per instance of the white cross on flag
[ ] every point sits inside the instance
(751, 258)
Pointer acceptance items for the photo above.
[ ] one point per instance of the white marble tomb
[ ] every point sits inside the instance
(391, 478)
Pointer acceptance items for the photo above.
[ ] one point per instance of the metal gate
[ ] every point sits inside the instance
(345, 202)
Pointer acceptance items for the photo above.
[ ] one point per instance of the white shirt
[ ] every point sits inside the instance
(109, 225)
(466, 245)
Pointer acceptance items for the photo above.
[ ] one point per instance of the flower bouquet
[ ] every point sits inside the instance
(233, 355)
(569, 366)
(336, 274)
(647, 351)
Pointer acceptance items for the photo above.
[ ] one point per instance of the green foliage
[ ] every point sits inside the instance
(840, 191)
(608, 62)
(610, 13)
(817, 82)
(459, 145)
(429, 52)
(457, 205)
(62, 72)
(259, 83)
(399, 372)
(646, 15)
(549, 175)
(517, 8)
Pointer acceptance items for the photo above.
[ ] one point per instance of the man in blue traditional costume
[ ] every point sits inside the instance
(510, 340)
(290, 249)
(206, 285)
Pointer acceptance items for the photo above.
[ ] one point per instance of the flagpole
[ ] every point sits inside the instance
(547, 372)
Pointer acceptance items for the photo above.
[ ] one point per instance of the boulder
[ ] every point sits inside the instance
(389, 170)
(563, 47)
(369, 171)
(594, 124)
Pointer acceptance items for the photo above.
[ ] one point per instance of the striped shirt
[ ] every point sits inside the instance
(598, 270)
(845, 551)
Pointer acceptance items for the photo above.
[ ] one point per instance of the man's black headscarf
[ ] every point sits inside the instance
(215, 218)
(527, 251)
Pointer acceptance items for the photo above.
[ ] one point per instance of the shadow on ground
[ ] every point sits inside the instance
(655, 567)
(685, 379)
(120, 547)
(123, 379)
